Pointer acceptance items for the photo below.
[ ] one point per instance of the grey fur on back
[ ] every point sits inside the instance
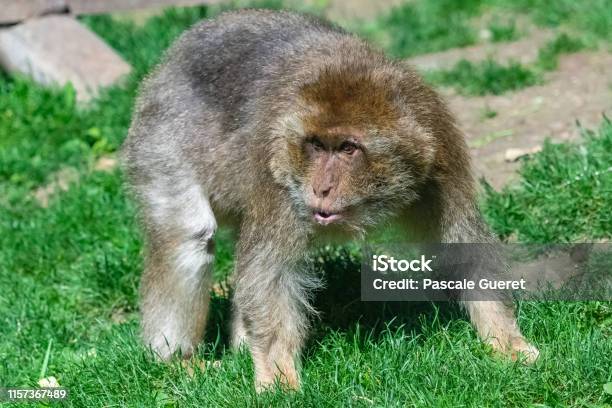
(235, 58)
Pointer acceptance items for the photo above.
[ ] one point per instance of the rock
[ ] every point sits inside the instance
(513, 154)
(485, 34)
(49, 382)
(57, 50)
(105, 6)
(16, 11)
(106, 163)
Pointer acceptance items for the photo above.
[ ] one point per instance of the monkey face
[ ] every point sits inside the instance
(346, 177)
(334, 159)
(350, 151)
(353, 177)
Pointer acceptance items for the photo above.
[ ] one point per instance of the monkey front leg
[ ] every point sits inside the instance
(494, 320)
(456, 220)
(270, 305)
(495, 323)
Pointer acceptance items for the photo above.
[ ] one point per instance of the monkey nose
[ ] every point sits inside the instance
(321, 192)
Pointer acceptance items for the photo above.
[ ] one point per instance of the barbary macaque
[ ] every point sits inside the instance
(295, 133)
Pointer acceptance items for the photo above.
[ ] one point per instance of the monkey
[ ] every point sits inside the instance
(294, 132)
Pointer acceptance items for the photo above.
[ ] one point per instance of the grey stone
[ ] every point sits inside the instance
(515, 153)
(13, 11)
(58, 49)
(105, 6)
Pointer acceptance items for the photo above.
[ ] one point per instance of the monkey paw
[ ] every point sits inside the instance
(518, 349)
(285, 383)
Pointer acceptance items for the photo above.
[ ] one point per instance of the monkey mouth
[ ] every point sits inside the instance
(324, 217)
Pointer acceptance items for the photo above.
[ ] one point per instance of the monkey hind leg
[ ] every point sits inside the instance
(495, 323)
(175, 287)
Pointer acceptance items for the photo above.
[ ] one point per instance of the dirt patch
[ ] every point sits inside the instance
(343, 10)
(525, 51)
(106, 163)
(579, 90)
(58, 181)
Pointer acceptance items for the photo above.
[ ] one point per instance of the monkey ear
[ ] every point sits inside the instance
(289, 123)
(422, 140)
(284, 152)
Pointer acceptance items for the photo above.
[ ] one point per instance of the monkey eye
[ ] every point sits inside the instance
(348, 147)
(316, 144)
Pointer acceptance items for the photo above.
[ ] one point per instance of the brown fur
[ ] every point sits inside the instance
(294, 132)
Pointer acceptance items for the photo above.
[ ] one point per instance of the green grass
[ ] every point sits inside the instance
(565, 193)
(489, 77)
(69, 277)
(429, 26)
(486, 77)
(548, 55)
(487, 113)
(592, 18)
(143, 45)
(426, 26)
(503, 31)
(419, 27)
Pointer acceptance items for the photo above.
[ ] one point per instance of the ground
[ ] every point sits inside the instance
(72, 251)
(579, 91)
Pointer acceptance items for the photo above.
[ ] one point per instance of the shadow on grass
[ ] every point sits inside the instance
(341, 309)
